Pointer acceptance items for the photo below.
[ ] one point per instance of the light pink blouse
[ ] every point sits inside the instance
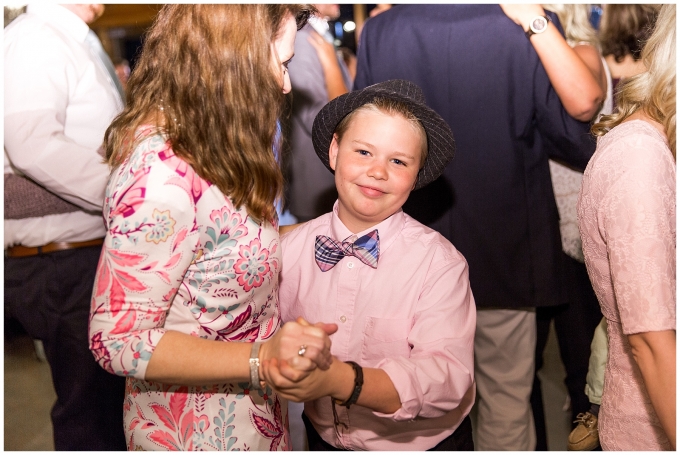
(626, 217)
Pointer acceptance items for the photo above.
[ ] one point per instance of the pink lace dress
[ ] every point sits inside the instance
(179, 256)
(626, 217)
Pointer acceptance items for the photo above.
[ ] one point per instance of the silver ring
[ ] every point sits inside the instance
(302, 350)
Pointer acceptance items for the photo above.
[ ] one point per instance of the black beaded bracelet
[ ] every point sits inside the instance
(358, 384)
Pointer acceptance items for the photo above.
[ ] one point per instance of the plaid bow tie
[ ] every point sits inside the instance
(328, 252)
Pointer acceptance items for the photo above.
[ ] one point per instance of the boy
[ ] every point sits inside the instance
(402, 375)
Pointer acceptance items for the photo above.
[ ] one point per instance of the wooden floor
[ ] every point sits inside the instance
(29, 396)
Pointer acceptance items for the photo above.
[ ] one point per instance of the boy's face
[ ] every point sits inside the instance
(376, 165)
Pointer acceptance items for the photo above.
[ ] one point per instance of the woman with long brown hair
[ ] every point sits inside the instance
(186, 298)
(626, 214)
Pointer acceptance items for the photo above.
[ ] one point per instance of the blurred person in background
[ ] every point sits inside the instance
(59, 99)
(123, 72)
(318, 74)
(578, 73)
(624, 30)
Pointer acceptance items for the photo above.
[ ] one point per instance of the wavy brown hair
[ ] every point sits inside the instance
(626, 28)
(205, 79)
(653, 91)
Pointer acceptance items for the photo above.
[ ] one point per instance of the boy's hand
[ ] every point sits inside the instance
(311, 385)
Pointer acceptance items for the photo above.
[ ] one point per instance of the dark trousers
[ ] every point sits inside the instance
(50, 296)
(460, 440)
(575, 323)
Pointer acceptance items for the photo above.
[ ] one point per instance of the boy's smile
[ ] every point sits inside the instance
(376, 164)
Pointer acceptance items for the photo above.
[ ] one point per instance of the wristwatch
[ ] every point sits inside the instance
(539, 24)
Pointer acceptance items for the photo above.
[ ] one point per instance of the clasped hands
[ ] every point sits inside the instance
(297, 359)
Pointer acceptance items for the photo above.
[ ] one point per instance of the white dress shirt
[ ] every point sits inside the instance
(58, 103)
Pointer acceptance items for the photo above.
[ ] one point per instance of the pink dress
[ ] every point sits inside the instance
(626, 217)
(179, 256)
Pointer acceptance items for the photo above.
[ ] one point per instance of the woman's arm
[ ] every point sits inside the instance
(180, 358)
(576, 74)
(149, 246)
(654, 353)
(335, 85)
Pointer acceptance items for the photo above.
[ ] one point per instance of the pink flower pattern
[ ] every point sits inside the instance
(252, 268)
(179, 256)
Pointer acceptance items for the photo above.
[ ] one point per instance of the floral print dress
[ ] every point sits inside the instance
(179, 256)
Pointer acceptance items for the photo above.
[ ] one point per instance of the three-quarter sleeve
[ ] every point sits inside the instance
(149, 245)
(637, 216)
(439, 373)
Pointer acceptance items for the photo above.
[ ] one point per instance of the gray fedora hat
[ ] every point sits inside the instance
(440, 144)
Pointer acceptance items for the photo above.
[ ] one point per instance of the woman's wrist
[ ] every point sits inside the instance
(255, 366)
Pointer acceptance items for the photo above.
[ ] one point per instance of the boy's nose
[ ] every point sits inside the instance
(377, 170)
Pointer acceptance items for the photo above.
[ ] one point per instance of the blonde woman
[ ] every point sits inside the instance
(626, 215)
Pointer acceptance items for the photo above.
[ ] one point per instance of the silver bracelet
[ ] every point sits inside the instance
(255, 365)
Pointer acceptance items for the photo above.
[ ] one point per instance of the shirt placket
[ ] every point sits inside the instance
(348, 286)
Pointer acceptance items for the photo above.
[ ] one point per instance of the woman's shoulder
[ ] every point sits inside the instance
(633, 143)
(637, 127)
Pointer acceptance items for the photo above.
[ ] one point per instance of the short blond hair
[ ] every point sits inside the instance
(388, 106)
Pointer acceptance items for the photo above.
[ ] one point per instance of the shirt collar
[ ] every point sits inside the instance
(67, 21)
(388, 229)
(320, 25)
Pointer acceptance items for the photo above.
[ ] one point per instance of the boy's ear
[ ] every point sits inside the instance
(333, 152)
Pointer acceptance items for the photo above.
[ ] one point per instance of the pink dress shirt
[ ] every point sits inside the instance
(626, 215)
(413, 317)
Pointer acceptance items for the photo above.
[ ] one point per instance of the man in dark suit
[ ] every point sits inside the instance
(495, 203)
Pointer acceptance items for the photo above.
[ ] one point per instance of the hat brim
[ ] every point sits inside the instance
(440, 143)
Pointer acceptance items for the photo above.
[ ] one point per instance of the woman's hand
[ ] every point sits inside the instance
(287, 343)
(577, 75)
(294, 385)
(324, 49)
(335, 85)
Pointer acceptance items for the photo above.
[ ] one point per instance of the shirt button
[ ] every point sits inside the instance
(343, 319)
(350, 265)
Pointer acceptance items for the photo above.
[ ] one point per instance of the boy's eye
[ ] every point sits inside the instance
(362, 152)
(399, 162)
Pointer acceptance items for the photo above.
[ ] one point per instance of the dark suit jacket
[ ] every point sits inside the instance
(495, 201)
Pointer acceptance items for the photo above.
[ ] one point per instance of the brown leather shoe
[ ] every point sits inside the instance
(585, 435)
